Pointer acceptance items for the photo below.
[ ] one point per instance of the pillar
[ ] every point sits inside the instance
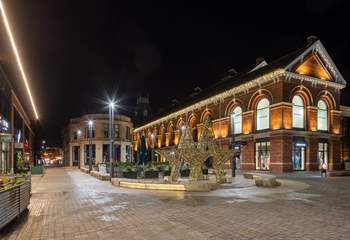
(334, 162)
(311, 163)
(281, 147)
(248, 162)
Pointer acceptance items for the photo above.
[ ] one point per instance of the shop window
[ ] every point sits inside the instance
(262, 155)
(87, 153)
(236, 121)
(263, 114)
(322, 116)
(298, 112)
(322, 154)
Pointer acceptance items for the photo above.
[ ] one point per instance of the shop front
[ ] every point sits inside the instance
(298, 156)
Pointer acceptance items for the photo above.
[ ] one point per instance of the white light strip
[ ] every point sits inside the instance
(13, 44)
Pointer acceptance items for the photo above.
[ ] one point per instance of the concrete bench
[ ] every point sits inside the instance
(84, 169)
(100, 176)
(262, 180)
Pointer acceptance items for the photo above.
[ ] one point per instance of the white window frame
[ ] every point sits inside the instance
(298, 109)
(263, 114)
(236, 120)
(322, 116)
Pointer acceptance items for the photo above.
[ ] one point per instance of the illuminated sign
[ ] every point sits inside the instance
(300, 144)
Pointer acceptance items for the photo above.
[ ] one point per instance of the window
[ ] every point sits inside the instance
(263, 114)
(262, 155)
(116, 130)
(322, 116)
(106, 130)
(236, 121)
(127, 133)
(87, 154)
(75, 135)
(87, 135)
(322, 154)
(298, 112)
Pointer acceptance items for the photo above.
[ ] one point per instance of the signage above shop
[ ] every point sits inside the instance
(6, 137)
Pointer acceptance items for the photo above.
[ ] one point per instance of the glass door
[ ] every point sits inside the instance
(262, 155)
(299, 158)
(322, 154)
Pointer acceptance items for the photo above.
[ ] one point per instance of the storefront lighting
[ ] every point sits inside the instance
(14, 47)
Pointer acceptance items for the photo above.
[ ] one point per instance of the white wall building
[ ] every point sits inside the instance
(78, 143)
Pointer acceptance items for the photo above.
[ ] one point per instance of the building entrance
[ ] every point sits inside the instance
(76, 155)
(299, 156)
(262, 155)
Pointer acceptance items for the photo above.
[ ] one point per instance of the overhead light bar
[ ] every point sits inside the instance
(13, 44)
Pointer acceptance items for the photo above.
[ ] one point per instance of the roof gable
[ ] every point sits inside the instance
(315, 61)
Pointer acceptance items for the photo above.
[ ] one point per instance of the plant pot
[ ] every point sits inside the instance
(130, 174)
(151, 174)
(185, 173)
(205, 171)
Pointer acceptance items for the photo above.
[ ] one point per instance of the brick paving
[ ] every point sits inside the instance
(68, 204)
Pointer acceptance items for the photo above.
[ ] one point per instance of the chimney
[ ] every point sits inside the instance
(259, 60)
(311, 39)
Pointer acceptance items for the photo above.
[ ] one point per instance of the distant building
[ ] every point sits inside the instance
(77, 144)
(52, 156)
(142, 110)
(282, 116)
(16, 133)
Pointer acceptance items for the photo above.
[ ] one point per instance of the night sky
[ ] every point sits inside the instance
(76, 53)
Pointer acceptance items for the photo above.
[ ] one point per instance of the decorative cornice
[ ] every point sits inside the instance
(314, 81)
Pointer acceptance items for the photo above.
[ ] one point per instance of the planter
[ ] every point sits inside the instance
(13, 202)
(151, 174)
(130, 174)
(185, 173)
(39, 169)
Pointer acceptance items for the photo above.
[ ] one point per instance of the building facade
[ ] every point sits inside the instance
(282, 116)
(78, 144)
(16, 133)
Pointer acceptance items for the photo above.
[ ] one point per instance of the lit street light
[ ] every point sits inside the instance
(152, 141)
(90, 124)
(79, 135)
(111, 106)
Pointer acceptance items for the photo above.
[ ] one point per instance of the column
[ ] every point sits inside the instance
(248, 162)
(334, 162)
(281, 147)
(311, 163)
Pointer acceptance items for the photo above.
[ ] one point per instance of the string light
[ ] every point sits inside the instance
(13, 44)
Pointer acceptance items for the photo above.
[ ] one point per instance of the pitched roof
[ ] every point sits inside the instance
(233, 81)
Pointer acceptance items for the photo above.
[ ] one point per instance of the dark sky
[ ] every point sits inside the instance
(77, 52)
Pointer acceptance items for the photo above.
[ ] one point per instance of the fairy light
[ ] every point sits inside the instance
(13, 44)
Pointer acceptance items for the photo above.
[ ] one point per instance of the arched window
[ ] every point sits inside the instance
(236, 121)
(298, 112)
(322, 116)
(263, 114)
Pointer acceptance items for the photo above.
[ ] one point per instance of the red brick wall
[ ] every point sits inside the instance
(248, 162)
(281, 148)
(311, 155)
(334, 155)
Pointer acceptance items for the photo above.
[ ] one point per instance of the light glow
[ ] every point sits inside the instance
(13, 44)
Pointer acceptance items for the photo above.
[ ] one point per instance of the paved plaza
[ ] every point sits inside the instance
(68, 204)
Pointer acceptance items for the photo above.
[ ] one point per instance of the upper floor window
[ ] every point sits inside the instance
(298, 112)
(322, 116)
(263, 114)
(236, 121)
(87, 132)
(106, 130)
(117, 131)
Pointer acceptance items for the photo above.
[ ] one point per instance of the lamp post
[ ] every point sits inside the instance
(111, 106)
(152, 143)
(79, 135)
(90, 123)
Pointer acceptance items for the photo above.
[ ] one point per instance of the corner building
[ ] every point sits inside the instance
(283, 115)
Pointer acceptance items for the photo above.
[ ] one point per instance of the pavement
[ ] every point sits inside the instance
(69, 204)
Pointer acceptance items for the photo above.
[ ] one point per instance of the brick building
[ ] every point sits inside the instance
(283, 115)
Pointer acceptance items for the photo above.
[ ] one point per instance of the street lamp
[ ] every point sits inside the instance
(79, 135)
(152, 143)
(111, 106)
(90, 124)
